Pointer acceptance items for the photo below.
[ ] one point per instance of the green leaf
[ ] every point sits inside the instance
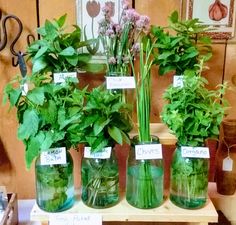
(174, 17)
(73, 60)
(69, 51)
(116, 134)
(36, 95)
(38, 65)
(40, 52)
(14, 96)
(61, 20)
(30, 124)
(100, 124)
(32, 151)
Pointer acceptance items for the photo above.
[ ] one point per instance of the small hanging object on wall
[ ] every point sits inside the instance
(4, 39)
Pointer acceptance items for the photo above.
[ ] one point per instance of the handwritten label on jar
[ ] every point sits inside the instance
(54, 156)
(227, 164)
(75, 219)
(195, 152)
(148, 151)
(120, 82)
(61, 77)
(104, 154)
(178, 81)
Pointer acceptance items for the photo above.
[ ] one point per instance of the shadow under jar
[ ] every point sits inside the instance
(144, 180)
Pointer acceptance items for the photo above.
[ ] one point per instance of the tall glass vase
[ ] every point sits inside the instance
(188, 181)
(100, 181)
(144, 180)
(226, 159)
(55, 185)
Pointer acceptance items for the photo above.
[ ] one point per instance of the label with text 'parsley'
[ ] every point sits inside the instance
(148, 151)
(178, 81)
(124, 82)
(195, 152)
(75, 219)
(105, 153)
(61, 77)
(54, 156)
(227, 164)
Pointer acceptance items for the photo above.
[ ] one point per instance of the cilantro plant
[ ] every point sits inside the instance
(180, 45)
(58, 50)
(49, 114)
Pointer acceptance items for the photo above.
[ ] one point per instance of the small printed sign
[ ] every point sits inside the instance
(126, 82)
(75, 219)
(104, 154)
(227, 164)
(195, 152)
(61, 77)
(178, 81)
(24, 89)
(54, 156)
(148, 151)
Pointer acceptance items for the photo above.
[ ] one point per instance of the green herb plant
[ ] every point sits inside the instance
(49, 115)
(58, 50)
(193, 113)
(105, 122)
(145, 194)
(180, 45)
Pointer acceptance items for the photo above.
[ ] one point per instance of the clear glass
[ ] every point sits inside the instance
(144, 181)
(55, 185)
(226, 179)
(188, 181)
(100, 182)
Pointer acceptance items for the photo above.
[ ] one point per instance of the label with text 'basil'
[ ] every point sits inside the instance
(75, 219)
(53, 156)
(195, 152)
(105, 153)
(178, 81)
(148, 151)
(124, 82)
(61, 77)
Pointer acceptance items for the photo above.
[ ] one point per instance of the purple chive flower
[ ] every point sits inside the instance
(143, 23)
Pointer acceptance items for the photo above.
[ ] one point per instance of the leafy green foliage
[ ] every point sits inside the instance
(106, 120)
(183, 47)
(48, 115)
(194, 113)
(57, 50)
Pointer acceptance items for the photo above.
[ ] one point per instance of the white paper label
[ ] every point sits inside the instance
(25, 89)
(227, 164)
(53, 156)
(61, 77)
(104, 154)
(195, 152)
(120, 82)
(75, 219)
(148, 151)
(178, 81)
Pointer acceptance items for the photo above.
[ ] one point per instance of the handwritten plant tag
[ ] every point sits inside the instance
(104, 154)
(3, 198)
(61, 77)
(148, 151)
(124, 82)
(195, 152)
(54, 156)
(227, 164)
(24, 89)
(178, 81)
(75, 219)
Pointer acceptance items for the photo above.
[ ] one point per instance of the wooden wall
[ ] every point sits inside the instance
(12, 168)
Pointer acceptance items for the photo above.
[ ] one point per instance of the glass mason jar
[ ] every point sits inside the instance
(225, 175)
(100, 181)
(145, 179)
(188, 181)
(55, 185)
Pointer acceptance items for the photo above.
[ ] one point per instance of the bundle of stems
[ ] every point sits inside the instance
(145, 196)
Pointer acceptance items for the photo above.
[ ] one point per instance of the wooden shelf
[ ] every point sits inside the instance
(160, 130)
(167, 212)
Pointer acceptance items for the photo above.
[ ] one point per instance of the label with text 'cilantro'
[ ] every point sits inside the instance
(75, 219)
(61, 77)
(105, 153)
(195, 152)
(53, 156)
(125, 82)
(148, 151)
